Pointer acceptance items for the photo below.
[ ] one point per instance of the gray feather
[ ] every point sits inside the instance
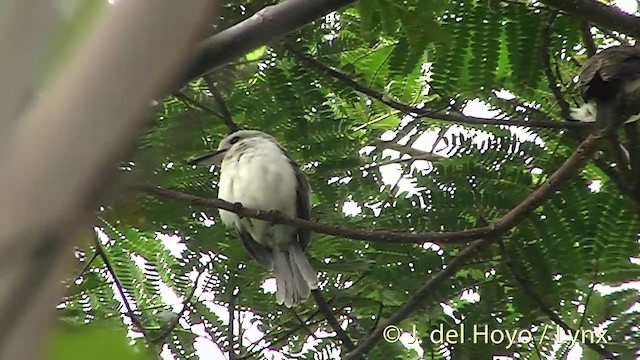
(303, 267)
(259, 252)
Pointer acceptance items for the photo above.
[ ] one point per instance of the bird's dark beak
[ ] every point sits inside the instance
(212, 158)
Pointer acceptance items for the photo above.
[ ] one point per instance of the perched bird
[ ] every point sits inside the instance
(609, 82)
(257, 172)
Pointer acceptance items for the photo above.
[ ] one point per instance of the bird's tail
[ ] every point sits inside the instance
(607, 116)
(295, 278)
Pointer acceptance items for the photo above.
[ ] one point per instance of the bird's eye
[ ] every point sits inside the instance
(235, 139)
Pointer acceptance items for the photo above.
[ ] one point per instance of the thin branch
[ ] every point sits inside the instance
(535, 199)
(285, 335)
(378, 315)
(188, 298)
(302, 323)
(621, 183)
(134, 319)
(226, 115)
(593, 286)
(633, 139)
(589, 44)
(232, 312)
(86, 267)
(423, 112)
(331, 319)
(196, 104)
(546, 60)
(407, 149)
(621, 156)
(619, 38)
(544, 308)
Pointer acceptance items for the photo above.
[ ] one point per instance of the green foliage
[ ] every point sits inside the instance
(415, 52)
(100, 342)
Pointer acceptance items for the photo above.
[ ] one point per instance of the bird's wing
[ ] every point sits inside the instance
(621, 62)
(261, 253)
(303, 204)
(618, 62)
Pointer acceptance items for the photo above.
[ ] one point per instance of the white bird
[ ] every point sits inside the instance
(257, 172)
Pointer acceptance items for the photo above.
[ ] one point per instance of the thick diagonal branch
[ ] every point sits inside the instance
(526, 207)
(267, 25)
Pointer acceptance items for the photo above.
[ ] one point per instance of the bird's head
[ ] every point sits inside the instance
(227, 144)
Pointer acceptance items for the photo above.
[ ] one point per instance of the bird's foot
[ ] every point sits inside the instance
(237, 207)
(274, 214)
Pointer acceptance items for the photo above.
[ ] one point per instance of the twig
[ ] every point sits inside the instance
(232, 312)
(375, 324)
(226, 115)
(331, 319)
(528, 205)
(250, 354)
(86, 267)
(302, 323)
(196, 104)
(621, 156)
(633, 139)
(553, 83)
(583, 318)
(619, 38)
(116, 281)
(424, 112)
(621, 183)
(407, 149)
(171, 327)
(546, 309)
(589, 44)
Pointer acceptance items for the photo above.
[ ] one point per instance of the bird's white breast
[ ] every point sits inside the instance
(260, 177)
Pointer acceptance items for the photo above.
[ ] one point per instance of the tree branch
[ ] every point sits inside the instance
(226, 115)
(187, 299)
(535, 199)
(275, 217)
(134, 319)
(589, 44)
(232, 313)
(633, 139)
(96, 102)
(599, 14)
(546, 55)
(267, 25)
(423, 112)
(86, 266)
(331, 319)
(196, 104)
